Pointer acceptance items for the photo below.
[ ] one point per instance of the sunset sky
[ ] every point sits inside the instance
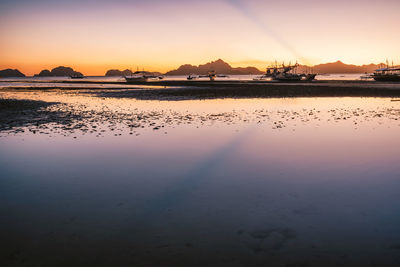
(93, 36)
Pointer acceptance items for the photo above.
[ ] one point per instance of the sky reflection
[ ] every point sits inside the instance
(313, 191)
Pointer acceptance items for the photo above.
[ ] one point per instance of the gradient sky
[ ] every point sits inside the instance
(93, 36)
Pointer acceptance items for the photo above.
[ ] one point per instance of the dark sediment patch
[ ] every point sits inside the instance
(21, 105)
(15, 114)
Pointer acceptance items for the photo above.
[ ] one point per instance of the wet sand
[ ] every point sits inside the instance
(74, 119)
(16, 113)
(181, 90)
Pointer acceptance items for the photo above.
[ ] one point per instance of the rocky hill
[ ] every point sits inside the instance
(111, 73)
(10, 73)
(59, 71)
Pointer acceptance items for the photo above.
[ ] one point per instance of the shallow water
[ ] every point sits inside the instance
(46, 81)
(223, 182)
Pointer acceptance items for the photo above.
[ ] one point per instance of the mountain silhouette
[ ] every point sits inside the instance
(59, 71)
(10, 73)
(118, 73)
(219, 66)
(222, 67)
(339, 67)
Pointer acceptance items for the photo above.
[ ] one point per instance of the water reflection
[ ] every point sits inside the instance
(220, 190)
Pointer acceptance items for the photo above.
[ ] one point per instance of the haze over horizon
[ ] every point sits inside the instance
(94, 36)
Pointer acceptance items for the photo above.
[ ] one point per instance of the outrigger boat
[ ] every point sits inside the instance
(141, 76)
(387, 74)
(211, 75)
(77, 76)
(192, 77)
(285, 74)
(384, 74)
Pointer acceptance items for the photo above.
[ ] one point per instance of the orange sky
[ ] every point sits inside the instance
(93, 36)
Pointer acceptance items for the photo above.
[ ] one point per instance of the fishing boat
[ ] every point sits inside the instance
(285, 74)
(140, 76)
(211, 75)
(192, 77)
(77, 76)
(287, 77)
(388, 74)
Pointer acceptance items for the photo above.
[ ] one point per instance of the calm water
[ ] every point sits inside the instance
(251, 182)
(5, 82)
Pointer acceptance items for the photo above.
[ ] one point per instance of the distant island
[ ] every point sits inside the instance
(218, 66)
(10, 73)
(59, 71)
(113, 73)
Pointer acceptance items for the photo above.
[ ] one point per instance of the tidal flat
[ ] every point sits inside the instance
(109, 178)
